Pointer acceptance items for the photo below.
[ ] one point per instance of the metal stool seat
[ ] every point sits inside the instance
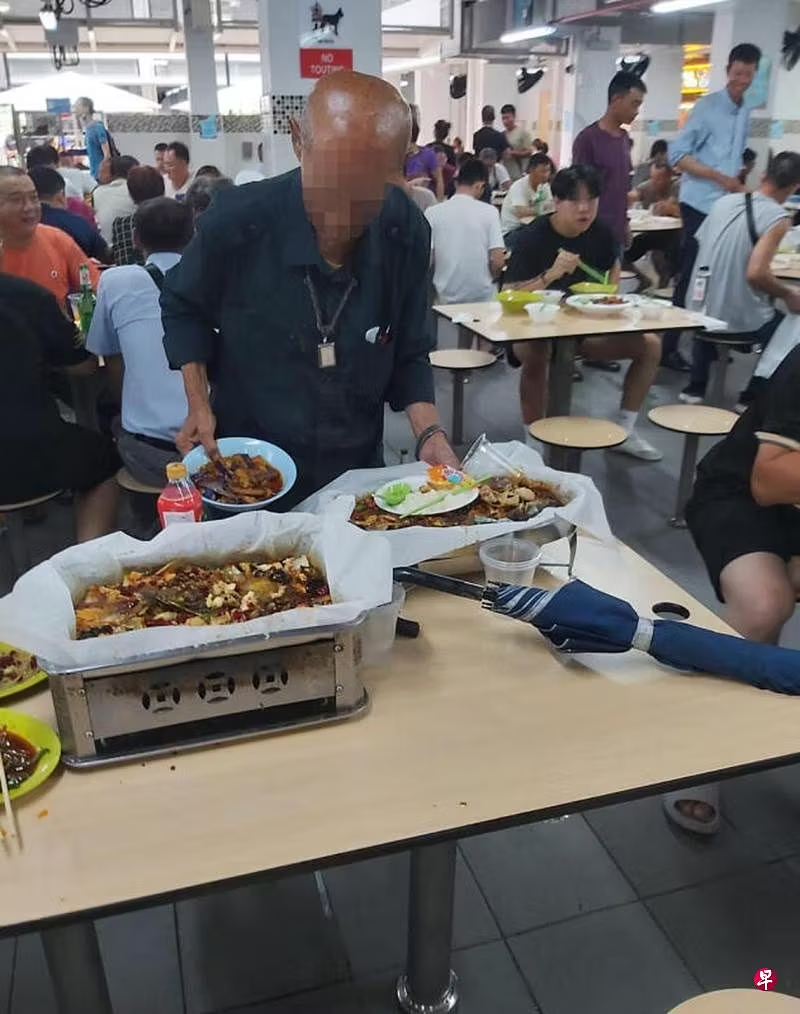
(723, 340)
(694, 421)
(666, 293)
(740, 1001)
(460, 363)
(12, 532)
(568, 436)
(127, 482)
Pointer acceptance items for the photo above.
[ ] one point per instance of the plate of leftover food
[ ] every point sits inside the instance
(599, 305)
(440, 491)
(496, 498)
(248, 475)
(30, 751)
(184, 594)
(19, 670)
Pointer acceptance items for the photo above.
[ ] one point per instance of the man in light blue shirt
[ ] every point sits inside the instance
(126, 329)
(95, 135)
(708, 152)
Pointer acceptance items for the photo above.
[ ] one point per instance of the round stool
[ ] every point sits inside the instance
(722, 342)
(127, 482)
(740, 1001)
(12, 532)
(665, 293)
(628, 282)
(568, 436)
(460, 363)
(694, 421)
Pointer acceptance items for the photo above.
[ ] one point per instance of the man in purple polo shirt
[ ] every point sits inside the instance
(606, 146)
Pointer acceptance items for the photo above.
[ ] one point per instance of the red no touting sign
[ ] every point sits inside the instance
(319, 62)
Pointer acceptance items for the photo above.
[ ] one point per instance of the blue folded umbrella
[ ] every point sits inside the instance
(579, 618)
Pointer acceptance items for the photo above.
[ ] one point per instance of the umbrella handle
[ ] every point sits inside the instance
(438, 582)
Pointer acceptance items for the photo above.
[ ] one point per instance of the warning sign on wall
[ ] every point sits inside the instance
(324, 44)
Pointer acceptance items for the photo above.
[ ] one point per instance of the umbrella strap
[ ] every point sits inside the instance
(643, 635)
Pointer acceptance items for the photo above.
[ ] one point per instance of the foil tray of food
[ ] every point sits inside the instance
(430, 514)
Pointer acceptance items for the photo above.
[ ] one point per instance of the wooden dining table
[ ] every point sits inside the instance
(475, 725)
(489, 321)
(787, 266)
(654, 223)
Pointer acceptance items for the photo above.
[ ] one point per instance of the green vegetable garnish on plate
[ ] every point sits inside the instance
(395, 494)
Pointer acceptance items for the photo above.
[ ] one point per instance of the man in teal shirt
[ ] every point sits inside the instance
(708, 152)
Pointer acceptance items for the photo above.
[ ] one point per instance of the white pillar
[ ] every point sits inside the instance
(762, 24)
(207, 142)
(282, 25)
(594, 59)
(659, 116)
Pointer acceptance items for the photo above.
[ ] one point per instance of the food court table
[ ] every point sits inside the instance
(486, 320)
(655, 223)
(474, 726)
(787, 266)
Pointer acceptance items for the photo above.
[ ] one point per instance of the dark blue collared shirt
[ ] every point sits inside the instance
(238, 301)
(87, 238)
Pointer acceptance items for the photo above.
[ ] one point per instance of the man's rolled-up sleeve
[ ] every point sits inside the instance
(412, 378)
(191, 296)
(693, 136)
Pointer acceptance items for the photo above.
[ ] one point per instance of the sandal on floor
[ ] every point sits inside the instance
(708, 794)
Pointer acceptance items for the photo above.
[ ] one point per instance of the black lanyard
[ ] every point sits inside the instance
(326, 331)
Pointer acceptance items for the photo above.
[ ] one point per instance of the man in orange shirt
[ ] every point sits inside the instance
(34, 251)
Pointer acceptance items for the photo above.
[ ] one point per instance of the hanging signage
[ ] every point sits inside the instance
(61, 106)
(325, 42)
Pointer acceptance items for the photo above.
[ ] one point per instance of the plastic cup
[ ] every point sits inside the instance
(378, 629)
(551, 297)
(510, 560)
(541, 313)
(483, 460)
(74, 303)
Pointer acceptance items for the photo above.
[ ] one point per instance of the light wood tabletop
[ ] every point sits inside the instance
(787, 266)
(474, 723)
(655, 223)
(740, 1001)
(489, 321)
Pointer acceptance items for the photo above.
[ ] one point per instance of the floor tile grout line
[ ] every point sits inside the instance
(181, 972)
(704, 986)
(12, 977)
(528, 985)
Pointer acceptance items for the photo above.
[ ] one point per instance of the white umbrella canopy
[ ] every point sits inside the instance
(238, 99)
(32, 98)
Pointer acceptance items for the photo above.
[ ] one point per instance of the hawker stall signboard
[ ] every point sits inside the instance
(325, 37)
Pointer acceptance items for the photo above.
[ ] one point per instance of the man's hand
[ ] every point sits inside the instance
(792, 300)
(565, 264)
(437, 451)
(199, 428)
(733, 184)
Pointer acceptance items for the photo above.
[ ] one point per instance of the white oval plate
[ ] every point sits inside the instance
(414, 500)
(584, 304)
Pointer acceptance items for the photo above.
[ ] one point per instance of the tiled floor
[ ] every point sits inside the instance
(613, 912)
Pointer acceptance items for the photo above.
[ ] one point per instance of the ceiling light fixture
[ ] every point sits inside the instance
(5, 7)
(534, 32)
(673, 6)
(48, 17)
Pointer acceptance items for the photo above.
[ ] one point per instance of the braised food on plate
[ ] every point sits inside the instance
(19, 757)
(187, 594)
(608, 301)
(500, 498)
(238, 479)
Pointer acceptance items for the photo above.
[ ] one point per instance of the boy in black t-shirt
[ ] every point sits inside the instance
(742, 513)
(545, 256)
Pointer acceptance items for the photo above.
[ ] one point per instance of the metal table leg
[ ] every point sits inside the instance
(465, 337)
(559, 399)
(429, 986)
(719, 376)
(686, 479)
(76, 969)
(460, 378)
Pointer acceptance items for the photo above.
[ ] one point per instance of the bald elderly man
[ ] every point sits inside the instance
(302, 298)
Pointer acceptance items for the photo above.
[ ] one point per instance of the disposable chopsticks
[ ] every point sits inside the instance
(9, 813)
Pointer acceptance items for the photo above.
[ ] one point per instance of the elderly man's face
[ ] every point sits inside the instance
(175, 168)
(345, 179)
(20, 211)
